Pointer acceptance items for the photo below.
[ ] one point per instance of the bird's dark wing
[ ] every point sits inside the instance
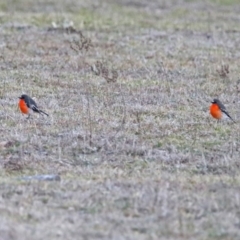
(223, 109)
(30, 102)
(221, 106)
(34, 108)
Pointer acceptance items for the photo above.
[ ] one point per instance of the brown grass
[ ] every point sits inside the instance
(127, 85)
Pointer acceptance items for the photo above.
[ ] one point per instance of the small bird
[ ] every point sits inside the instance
(25, 103)
(217, 108)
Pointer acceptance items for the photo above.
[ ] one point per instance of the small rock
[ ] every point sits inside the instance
(47, 177)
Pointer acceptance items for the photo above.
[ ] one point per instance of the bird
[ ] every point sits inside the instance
(217, 109)
(25, 103)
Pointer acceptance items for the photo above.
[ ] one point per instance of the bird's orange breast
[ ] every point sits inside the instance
(215, 111)
(23, 106)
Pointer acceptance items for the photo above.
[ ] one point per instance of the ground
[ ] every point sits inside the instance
(127, 85)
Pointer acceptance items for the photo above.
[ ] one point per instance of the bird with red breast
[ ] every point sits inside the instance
(26, 103)
(217, 110)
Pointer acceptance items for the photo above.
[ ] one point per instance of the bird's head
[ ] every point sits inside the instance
(215, 101)
(23, 96)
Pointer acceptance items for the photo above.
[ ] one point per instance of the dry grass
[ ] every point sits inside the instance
(127, 85)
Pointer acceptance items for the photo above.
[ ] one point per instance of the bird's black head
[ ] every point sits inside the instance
(23, 96)
(215, 101)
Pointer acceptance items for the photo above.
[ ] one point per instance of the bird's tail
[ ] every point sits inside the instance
(43, 112)
(229, 116)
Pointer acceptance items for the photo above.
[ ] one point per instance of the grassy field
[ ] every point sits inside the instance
(127, 85)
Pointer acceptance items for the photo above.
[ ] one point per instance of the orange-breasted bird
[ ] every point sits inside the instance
(25, 103)
(217, 109)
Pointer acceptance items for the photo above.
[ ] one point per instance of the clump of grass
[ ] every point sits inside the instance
(100, 69)
(223, 71)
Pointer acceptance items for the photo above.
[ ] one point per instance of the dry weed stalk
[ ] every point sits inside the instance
(137, 114)
(100, 70)
(63, 29)
(224, 70)
(238, 86)
(83, 44)
(89, 120)
(13, 165)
